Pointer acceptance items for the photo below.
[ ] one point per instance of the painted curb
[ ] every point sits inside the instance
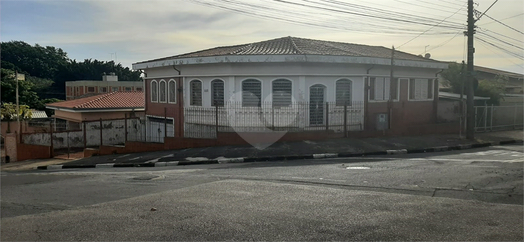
(282, 158)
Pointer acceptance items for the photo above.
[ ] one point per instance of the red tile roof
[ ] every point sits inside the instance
(300, 46)
(113, 100)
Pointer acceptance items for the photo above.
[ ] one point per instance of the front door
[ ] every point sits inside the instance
(316, 104)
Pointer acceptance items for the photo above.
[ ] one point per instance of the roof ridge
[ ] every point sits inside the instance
(96, 99)
(295, 45)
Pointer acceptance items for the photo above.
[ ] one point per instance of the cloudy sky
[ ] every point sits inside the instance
(136, 30)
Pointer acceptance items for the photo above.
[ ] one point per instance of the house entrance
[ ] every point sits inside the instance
(316, 104)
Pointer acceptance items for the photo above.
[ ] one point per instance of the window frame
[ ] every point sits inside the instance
(160, 83)
(90, 91)
(113, 89)
(153, 89)
(431, 83)
(213, 92)
(259, 98)
(169, 91)
(274, 104)
(191, 97)
(399, 79)
(350, 92)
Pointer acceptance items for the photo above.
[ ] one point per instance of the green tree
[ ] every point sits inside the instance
(26, 95)
(8, 113)
(492, 88)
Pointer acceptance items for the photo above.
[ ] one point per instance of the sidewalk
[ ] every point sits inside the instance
(299, 150)
(33, 164)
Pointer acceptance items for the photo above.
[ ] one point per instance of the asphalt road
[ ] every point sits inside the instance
(460, 195)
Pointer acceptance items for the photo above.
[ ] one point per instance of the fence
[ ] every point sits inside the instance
(202, 122)
(89, 134)
(488, 118)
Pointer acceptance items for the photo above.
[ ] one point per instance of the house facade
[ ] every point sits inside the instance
(293, 78)
(109, 106)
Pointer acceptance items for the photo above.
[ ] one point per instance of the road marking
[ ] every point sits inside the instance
(443, 159)
(357, 167)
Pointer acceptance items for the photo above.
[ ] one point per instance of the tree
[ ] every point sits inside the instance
(8, 113)
(8, 92)
(493, 87)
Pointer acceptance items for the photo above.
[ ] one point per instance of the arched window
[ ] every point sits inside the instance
(343, 92)
(281, 93)
(195, 98)
(162, 91)
(172, 91)
(217, 93)
(154, 91)
(251, 93)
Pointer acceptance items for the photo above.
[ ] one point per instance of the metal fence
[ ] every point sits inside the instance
(489, 118)
(200, 122)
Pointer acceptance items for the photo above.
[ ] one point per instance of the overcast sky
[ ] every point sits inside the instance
(142, 30)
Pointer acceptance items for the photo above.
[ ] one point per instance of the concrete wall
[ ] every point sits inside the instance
(113, 133)
(448, 110)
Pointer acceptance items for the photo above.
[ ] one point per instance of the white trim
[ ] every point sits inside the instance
(151, 90)
(279, 75)
(288, 59)
(168, 91)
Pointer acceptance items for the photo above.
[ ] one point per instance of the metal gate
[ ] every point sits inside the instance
(316, 104)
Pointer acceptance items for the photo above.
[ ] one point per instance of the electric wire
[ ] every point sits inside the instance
(511, 53)
(505, 24)
(431, 27)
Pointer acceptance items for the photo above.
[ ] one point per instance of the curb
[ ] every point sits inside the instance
(283, 158)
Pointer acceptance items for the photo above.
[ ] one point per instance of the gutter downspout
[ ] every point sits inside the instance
(366, 95)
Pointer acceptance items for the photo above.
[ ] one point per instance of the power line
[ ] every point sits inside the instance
(487, 10)
(359, 14)
(272, 13)
(431, 27)
(484, 30)
(504, 24)
(502, 41)
(444, 43)
(520, 14)
(502, 49)
(489, 48)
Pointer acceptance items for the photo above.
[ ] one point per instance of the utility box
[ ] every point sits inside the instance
(382, 121)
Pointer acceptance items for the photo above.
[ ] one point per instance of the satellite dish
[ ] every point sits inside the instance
(427, 55)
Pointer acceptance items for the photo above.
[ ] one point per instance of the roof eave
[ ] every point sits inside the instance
(289, 58)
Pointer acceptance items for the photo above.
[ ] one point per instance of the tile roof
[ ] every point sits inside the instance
(113, 100)
(36, 114)
(299, 46)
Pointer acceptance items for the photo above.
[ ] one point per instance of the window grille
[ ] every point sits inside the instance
(196, 93)
(154, 91)
(217, 93)
(161, 91)
(343, 92)
(381, 88)
(172, 91)
(420, 89)
(251, 93)
(281, 93)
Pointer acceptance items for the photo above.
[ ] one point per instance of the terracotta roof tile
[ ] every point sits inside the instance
(299, 46)
(114, 100)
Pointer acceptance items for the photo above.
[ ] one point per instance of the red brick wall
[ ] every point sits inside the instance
(37, 152)
(174, 111)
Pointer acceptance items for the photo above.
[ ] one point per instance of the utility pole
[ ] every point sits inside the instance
(390, 99)
(470, 121)
(17, 105)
